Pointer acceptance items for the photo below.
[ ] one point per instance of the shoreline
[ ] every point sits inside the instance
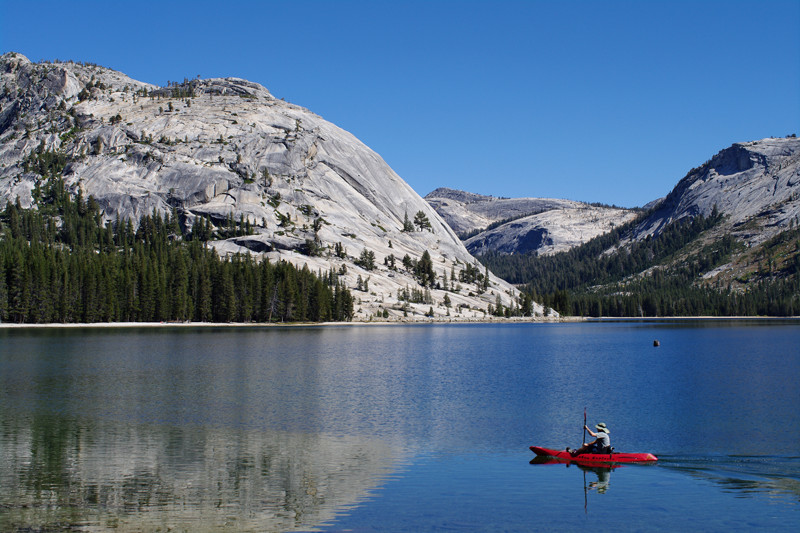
(519, 320)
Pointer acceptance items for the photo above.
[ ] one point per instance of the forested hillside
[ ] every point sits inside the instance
(724, 241)
(663, 275)
(60, 263)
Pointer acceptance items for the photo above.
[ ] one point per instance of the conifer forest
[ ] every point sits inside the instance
(661, 275)
(59, 263)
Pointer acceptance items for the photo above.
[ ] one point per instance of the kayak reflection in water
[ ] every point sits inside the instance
(601, 443)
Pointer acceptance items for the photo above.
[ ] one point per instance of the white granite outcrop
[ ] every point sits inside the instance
(226, 147)
(540, 225)
(756, 185)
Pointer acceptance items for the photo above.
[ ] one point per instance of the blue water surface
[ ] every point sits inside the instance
(400, 428)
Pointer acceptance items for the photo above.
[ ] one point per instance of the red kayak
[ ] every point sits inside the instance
(596, 458)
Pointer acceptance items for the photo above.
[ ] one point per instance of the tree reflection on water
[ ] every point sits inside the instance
(60, 472)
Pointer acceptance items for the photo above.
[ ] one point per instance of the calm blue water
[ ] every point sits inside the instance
(399, 428)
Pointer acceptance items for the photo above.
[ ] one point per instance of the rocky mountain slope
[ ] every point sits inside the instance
(754, 185)
(726, 240)
(522, 225)
(227, 151)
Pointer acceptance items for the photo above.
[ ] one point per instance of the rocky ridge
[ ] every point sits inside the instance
(522, 225)
(226, 149)
(754, 184)
(756, 187)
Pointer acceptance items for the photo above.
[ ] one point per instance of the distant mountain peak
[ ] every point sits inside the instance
(757, 180)
(455, 194)
(522, 225)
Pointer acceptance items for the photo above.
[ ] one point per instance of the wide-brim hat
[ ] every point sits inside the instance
(602, 427)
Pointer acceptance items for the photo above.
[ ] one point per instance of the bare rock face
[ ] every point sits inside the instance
(549, 232)
(756, 185)
(522, 225)
(467, 212)
(226, 148)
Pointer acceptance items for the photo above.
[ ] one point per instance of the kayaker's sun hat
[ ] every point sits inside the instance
(602, 427)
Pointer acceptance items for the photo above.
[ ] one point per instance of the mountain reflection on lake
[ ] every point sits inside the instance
(67, 473)
(404, 428)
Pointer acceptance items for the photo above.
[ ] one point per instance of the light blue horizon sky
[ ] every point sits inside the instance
(608, 102)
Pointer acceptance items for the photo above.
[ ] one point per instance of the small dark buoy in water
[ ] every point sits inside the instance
(656, 343)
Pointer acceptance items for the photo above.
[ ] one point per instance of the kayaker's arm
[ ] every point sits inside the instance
(592, 433)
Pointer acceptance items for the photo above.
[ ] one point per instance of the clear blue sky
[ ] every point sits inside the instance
(597, 101)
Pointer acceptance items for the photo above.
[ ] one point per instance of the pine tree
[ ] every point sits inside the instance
(407, 225)
(366, 260)
(424, 270)
(421, 221)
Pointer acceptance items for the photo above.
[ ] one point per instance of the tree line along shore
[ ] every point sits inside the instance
(60, 264)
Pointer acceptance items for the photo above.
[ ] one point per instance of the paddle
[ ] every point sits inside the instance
(584, 425)
(585, 494)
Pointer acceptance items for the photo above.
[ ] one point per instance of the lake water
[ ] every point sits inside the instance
(399, 428)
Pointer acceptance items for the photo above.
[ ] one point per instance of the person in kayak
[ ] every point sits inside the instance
(601, 443)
